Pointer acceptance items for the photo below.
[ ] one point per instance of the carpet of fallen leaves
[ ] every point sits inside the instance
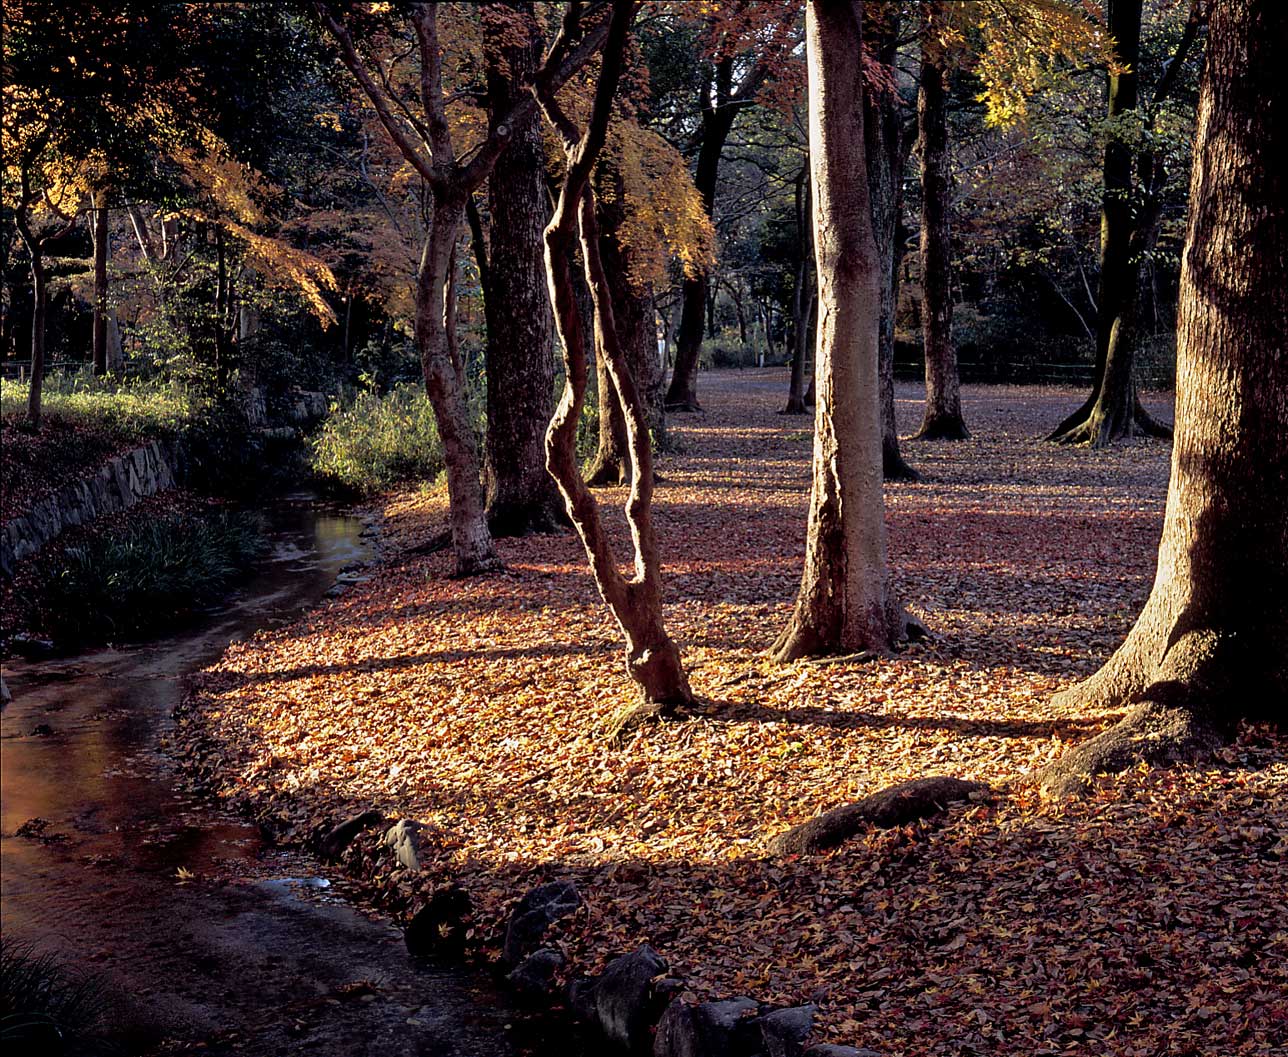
(1148, 919)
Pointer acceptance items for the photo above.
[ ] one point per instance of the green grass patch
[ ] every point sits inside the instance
(140, 580)
(378, 442)
(129, 409)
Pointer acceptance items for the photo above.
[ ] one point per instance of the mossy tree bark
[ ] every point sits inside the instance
(652, 658)
(521, 496)
(943, 415)
(1208, 648)
(845, 602)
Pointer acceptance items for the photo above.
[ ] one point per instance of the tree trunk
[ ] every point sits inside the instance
(811, 342)
(652, 658)
(682, 395)
(943, 416)
(886, 154)
(845, 603)
(39, 305)
(521, 495)
(800, 298)
(1113, 409)
(1208, 648)
(100, 282)
(471, 541)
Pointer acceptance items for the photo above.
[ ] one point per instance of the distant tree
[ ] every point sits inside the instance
(845, 602)
(652, 658)
(1208, 648)
(1128, 228)
(943, 415)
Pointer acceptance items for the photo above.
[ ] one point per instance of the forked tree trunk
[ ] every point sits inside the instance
(845, 602)
(521, 496)
(886, 154)
(943, 416)
(1208, 648)
(1113, 410)
(652, 658)
(471, 541)
(100, 283)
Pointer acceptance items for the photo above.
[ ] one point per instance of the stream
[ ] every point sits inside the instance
(205, 938)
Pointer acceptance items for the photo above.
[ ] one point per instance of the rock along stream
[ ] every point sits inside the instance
(205, 938)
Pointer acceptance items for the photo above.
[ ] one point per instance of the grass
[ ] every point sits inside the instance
(378, 442)
(139, 580)
(44, 1009)
(130, 409)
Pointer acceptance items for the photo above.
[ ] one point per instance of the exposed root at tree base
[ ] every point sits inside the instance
(894, 467)
(795, 406)
(685, 407)
(1097, 428)
(1152, 734)
(607, 473)
(437, 542)
(530, 519)
(633, 717)
(943, 427)
(478, 567)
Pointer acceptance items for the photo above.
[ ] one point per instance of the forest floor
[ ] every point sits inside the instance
(1147, 919)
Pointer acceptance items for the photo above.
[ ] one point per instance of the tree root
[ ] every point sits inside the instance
(685, 407)
(1095, 427)
(942, 427)
(437, 542)
(527, 519)
(1152, 733)
(795, 406)
(894, 806)
(635, 717)
(894, 467)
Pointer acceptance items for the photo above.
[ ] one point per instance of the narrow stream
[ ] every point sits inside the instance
(206, 939)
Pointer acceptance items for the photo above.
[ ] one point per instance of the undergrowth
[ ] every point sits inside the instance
(379, 441)
(44, 1009)
(141, 579)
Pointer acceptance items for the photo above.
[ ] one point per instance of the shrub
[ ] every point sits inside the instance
(378, 442)
(721, 352)
(139, 580)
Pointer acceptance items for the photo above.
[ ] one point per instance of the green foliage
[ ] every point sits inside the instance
(127, 409)
(137, 581)
(44, 1008)
(724, 352)
(378, 442)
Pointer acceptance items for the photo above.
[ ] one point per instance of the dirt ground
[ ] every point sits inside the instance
(1146, 920)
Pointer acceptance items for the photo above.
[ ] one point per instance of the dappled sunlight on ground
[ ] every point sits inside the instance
(1148, 920)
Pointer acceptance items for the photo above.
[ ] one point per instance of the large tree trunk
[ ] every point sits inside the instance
(652, 658)
(886, 154)
(800, 297)
(521, 495)
(1113, 409)
(39, 305)
(943, 416)
(1208, 648)
(845, 603)
(471, 541)
(100, 234)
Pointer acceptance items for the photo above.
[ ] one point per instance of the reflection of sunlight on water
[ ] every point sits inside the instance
(288, 551)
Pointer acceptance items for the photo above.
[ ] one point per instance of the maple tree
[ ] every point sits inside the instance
(652, 658)
(1207, 649)
(428, 145)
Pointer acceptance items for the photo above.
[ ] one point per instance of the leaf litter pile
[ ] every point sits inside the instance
(1147, 919)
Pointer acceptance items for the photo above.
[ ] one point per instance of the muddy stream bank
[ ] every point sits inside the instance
(206, 939)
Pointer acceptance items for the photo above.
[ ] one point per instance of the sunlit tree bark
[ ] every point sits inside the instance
(1208, 648)
(845, 603)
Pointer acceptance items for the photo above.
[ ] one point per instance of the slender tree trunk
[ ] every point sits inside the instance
(39, 306)
(1208, 647)
(811, 342)
(471, 541)
(682, 395)
(652, 658)
(521, 495)
(100, 282)
(800, 298)
(943, 415)
(886, 150)
(1113, 409)
(845, 602)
